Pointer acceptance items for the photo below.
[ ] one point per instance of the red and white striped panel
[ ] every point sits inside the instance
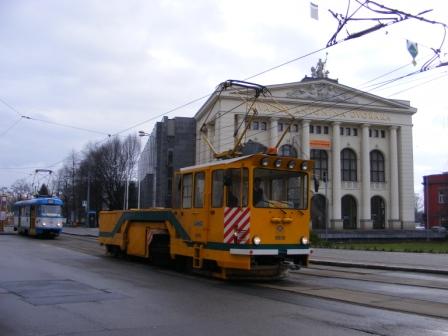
(236, 219)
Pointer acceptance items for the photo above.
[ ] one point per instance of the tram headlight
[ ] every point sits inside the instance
(291, 164)
(304, 240)
(264, 162)
(278, 163)
(304, 165)
(256, 240)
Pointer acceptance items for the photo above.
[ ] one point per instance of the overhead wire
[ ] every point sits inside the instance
(200, 98)
(14, 124)
(26, 117)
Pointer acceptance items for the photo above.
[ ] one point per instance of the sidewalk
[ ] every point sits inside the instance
(413, 262)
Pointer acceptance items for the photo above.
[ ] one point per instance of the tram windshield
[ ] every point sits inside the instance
(50, 210)
(279, 189)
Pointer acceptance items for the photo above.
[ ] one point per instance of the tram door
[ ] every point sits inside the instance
(229, 201)
(33, 219)
(217, 205)
(236, 211)
(193, 213)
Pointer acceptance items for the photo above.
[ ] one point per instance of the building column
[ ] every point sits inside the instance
(336, 220)
(217, 133)
(305, 140)
(366, 220)
(394, 219)
(406, 177)
(273, 131)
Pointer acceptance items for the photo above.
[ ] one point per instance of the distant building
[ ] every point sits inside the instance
(436, 199)
(361, 144)
(170, 146)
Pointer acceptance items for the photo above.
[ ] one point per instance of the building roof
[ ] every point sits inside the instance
(319, 92)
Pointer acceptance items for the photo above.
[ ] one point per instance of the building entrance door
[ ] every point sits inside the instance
(349, 212)
(378, 212)
(318, 212)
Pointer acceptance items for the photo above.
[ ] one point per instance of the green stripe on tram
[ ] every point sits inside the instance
(150, 216)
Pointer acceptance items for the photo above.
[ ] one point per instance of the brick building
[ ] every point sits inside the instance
(436, 199)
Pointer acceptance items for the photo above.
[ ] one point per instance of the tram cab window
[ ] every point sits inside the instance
(199, 185)
(281, 189)
(50, 210)
(187, 191)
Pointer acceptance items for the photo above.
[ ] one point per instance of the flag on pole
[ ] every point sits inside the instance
(314, 11)
(413, 50)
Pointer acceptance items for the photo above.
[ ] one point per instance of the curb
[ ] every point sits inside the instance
(379, 266)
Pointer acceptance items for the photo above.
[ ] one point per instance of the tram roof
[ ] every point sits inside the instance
(40, 201)
(218, 162)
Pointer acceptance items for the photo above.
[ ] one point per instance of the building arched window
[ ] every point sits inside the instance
(377, 166)
(348, 165)
(287, 150)
(320, 158)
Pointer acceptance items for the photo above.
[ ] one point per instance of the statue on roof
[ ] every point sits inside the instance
(319, 71)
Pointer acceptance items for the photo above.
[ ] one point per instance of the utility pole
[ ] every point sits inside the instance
(73, 192)
(88, 193)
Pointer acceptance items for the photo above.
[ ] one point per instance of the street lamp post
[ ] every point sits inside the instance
(140, 134)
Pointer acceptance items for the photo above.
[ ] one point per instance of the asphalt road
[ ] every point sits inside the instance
(68, 287)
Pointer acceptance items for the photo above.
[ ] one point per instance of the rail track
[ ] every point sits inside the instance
(383, 289)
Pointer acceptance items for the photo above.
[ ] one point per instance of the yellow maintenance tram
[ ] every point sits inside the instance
(236, 218)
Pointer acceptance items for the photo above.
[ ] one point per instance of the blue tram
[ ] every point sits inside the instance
(39, 216)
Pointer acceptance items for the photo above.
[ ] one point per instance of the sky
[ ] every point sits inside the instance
(72, 72)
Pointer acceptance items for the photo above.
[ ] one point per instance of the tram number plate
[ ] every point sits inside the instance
(279, 237)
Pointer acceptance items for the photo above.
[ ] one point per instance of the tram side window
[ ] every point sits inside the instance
(176, 191)
(237, 187)
(199, 184)
(187, 191)
(217, 188)
(24, 212)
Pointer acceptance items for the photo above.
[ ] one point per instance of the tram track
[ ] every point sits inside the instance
(396, 291)
(378, 289)
(84, 244)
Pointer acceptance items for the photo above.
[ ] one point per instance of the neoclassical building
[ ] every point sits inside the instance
(361, 144)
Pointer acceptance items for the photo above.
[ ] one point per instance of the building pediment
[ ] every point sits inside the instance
(325, 91)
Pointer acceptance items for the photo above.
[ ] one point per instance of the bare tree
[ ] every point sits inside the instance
(21, 189)
(96, 178)
(110, 167)
(418, 207)
(66, 187)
